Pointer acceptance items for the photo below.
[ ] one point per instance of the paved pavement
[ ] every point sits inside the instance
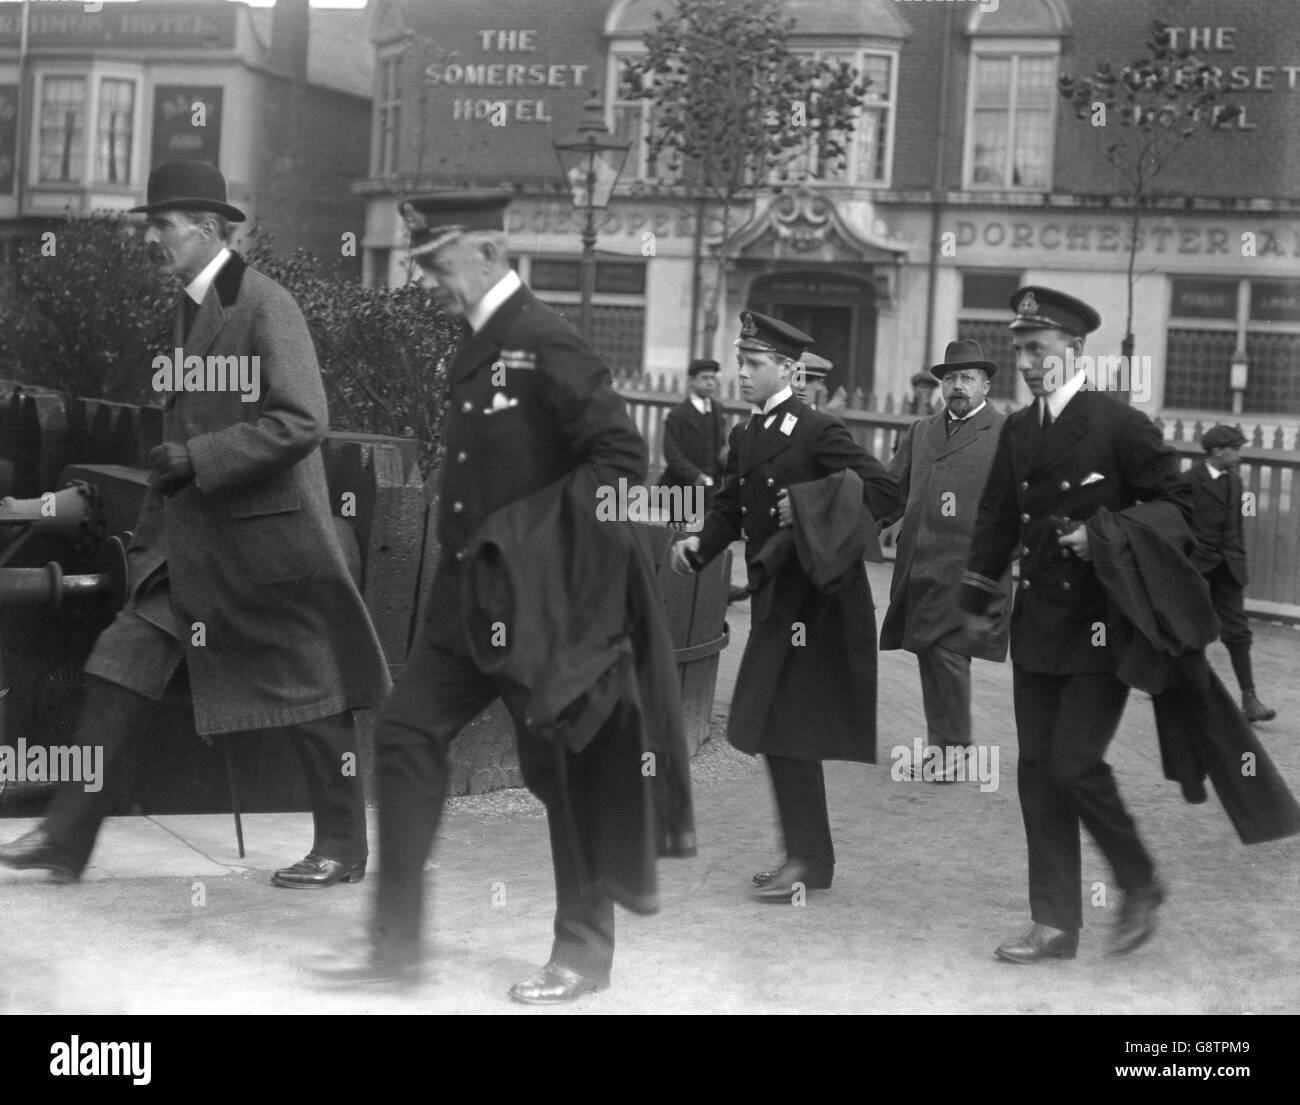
(929, 879)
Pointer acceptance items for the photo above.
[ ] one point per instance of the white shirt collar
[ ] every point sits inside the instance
(775, 401)
(496, 295)
(197, 289)
(1215, 473)
(1056, 400)
(983, 404)
(700, 403)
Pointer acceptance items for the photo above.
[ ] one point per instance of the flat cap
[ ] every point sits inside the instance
(1039, 308)
(702, 364)
(1222, 437)
(436, 218)
(815, 367)
(761, 334)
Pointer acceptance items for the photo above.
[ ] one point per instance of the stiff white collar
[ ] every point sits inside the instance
(1215, 473)
(496, 295)
(983, 403)
(197, 289)
(774, 401)
(1056, 400)
(701, 403)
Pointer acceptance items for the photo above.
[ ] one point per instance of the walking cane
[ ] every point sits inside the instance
(234, 793)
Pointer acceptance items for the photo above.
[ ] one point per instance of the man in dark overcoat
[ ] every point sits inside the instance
(941, 466)
(1220, 553)
(695, 441)
(806, 690)
(529, 403)
(1059, 461)
(235, 565)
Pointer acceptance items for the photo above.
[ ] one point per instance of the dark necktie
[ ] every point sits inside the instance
(1046, 423)
(951, 424)
(191, 309)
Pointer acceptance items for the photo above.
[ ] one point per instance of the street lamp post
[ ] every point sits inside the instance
(591, 160)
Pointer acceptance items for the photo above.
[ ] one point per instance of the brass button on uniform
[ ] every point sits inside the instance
(742, 481)
(744, 510)
(460, 555)
(1024, 550)
(467, 406)
(1024, 585)
(1065, 585)
(457, 507)
(460, 457)
(1024, 486)
(770, 482)
(1065, 485)
(1024, 517)
(771, 510)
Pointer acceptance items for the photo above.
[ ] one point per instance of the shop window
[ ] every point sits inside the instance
(617, 323)
(63, 130)
(115, 132)
(984, 317)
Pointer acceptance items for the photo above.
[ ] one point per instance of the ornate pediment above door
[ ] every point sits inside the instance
(807, 226)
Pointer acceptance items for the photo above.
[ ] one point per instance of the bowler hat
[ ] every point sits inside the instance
(188, 186)
(964, 353)
(1222, 437)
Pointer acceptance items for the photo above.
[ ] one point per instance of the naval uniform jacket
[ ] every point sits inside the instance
(1098, 453)
(813, 700)
(1216, 521)
(528, 401)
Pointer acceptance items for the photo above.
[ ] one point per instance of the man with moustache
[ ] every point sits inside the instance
(941, 466)
(806, 691)
(1068, 455)
(235, 537)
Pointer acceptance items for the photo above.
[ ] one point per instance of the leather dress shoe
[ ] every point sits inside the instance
(1137, 919)
(553, 985)
(782, 885)
(36, 850)
(1254, 709)
(736, 593)
(316, 872)
(1040, 942)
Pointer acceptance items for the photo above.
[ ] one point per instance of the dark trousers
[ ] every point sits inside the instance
(945, 693)
(1229, 598)
(437, 694)
(800, 789)
(1064, 724)
(114, 717)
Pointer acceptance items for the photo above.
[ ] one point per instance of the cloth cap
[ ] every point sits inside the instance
(1222, 437)
(702, 364)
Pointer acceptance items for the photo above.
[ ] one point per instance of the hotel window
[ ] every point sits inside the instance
(985, 314)
(632, 122)
(617, 331)
(116, 131)
(870, 147)
(388, 115)
(1210, 319)
(1012, 115)
(63, 130)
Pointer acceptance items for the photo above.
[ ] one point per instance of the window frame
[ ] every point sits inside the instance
(385, 154)
(1015, 49)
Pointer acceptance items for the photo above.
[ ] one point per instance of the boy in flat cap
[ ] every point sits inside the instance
(1220, 553)
(1059, 461)
(695, 438)
(530, 408)
(806, 691)
(941, 466)
(235, 535)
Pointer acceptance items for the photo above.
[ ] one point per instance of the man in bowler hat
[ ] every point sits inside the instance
(941, 465)
(806, 691)
(1220, 553)
(1060, 460)
(236, 570)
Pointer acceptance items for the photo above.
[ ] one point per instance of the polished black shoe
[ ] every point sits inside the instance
(375, 969)
(781, 886)
(1040, 942)
(1254, 709)
(316, 872)
(1137, 919)
(553, 985)
(37, 850)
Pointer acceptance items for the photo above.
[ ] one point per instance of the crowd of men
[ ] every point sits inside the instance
(236, 533)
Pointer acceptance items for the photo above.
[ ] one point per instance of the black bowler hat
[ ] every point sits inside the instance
(1222, 437)
(965, 353)
(436, 218)
(815, 367)
(760, 334)
(187, 186)
(702, 364)
(1040, 308)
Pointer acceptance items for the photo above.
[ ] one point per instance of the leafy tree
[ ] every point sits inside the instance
(736, 110)
(1148, 113)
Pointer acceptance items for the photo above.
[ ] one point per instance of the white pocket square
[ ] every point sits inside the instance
(1092, 477)
(500, 403)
